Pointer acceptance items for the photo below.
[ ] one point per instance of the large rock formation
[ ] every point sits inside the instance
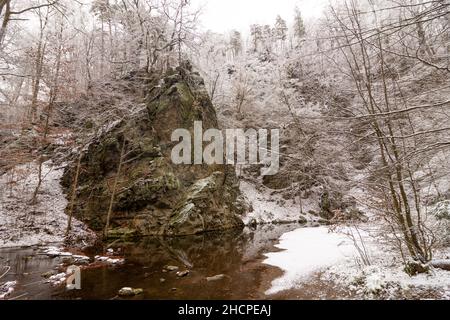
(153, 195)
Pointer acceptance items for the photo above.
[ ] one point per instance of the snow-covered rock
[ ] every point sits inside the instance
(441, 210)
(265, 211)
(59, 252)
(57, 279)
(7, 289)
(109, 260)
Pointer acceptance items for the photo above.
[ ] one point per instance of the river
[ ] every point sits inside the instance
(237, 255)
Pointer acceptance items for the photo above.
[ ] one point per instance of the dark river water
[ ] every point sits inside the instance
(237, 255)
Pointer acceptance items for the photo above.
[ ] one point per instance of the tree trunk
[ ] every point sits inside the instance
(7, 15)
(113, 192)
(74, 194)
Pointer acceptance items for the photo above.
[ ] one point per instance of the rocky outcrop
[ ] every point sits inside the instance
(154, 196)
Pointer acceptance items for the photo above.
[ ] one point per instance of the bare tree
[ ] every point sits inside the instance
(364, 51)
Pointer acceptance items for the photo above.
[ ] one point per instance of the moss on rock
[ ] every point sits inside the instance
(154, 196)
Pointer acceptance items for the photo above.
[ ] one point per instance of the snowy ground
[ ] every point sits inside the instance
(23, 224)
(310, 251)
(305, 252)
(271, 208)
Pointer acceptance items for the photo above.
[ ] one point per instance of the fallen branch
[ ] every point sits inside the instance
(441, 264)
(7, 270)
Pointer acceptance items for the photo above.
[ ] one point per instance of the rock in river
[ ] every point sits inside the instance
(182, 274)
(171, 268)
(216, 278)
(156, 196)
(130, 292)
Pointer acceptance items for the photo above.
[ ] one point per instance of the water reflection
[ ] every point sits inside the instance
(237, 255)
(27, 266)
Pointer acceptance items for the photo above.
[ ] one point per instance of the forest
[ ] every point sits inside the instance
(352, 109)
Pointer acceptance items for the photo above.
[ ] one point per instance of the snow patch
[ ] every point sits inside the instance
(385, 274)
(306, 251)
(24, 224)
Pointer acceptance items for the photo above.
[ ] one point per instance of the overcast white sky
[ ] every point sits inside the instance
(224, 15)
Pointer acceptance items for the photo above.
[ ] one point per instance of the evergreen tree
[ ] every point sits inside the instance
(299, 27)
(256, 34)
(281, 29)
(236, 42)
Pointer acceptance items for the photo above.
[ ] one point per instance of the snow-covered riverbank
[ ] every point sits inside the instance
(307, 252)
(24, 224)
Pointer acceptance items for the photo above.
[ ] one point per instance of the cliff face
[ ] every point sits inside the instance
(154, 196)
